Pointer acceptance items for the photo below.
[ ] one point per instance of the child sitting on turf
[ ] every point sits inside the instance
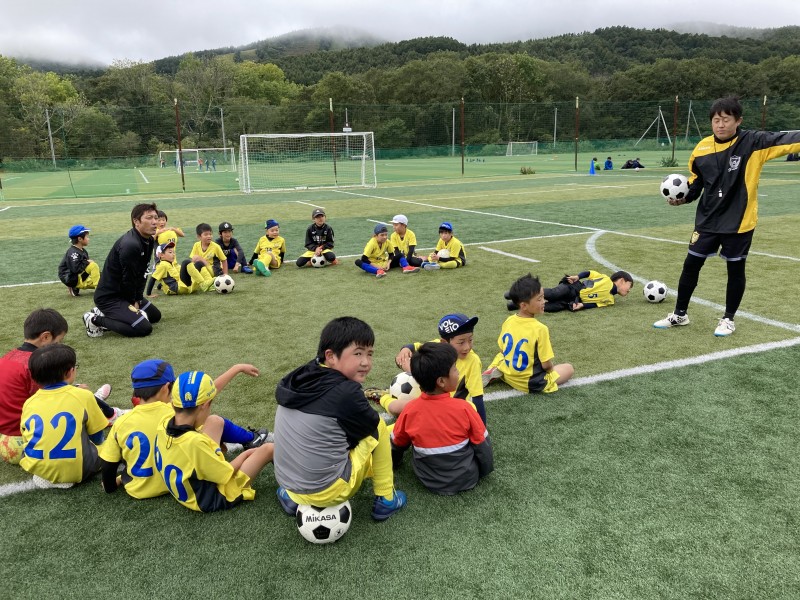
(449, 253)
(232, 250)
(456, 330)
(133, 436)
(451, 446)
(60, 423)
(164, 233)
(587, 289)
(404, 240)
(379, 255)
(188, 455)
(319, 240)
(328, 438)
(208, 252)
(525, 360)
(44, 326)
(270, 249)
(76, 270)
(172, 278)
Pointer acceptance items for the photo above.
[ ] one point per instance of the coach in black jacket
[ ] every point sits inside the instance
(121, 305)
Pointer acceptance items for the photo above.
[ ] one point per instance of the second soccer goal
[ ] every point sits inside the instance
(306, 160)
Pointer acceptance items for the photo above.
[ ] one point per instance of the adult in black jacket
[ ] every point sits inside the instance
(121, 305)
(725, 169)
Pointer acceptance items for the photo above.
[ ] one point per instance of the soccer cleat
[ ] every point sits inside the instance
(289, 506)
(207, 285)
(490, 375)
(380, 273)
(103, 392)
(97, 312)
(410, 269)
(44, 484)
(92, 330)
(73, 291)
(725, 327)
(261, 269)
(118, 412)
(382, 508)
(375, 394)
(247, 270)
(672, 320)
(260, 437)
(431, 266)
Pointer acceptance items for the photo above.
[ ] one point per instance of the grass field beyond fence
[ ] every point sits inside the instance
(669, 468)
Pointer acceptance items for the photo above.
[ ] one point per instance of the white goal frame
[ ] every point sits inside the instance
(291, 161)
(225, 158)
(522, 148)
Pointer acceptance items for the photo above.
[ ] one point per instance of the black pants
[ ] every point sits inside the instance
(562, 296)
(122, 318)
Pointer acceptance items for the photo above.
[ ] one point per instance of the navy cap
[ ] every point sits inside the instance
(381, 228)
(317, 212)
(455, 324)
(77, 231)
(164, 246)
(152, 373)
(446, 225)
(270, 224)
(225, 226)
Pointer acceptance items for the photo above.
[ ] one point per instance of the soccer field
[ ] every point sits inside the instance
(668, 468)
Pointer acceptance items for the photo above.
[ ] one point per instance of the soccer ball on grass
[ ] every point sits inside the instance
(675, 187)
(323, 525)
(404, 387)
(224, 284)
(318, 261)
(655, 291)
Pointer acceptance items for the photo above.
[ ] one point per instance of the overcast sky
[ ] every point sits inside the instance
(100, 31)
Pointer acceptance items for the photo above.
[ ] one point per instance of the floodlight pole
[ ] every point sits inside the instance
(180, 146)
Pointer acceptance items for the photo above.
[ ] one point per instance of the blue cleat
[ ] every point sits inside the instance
(289, 506)
(382, 509)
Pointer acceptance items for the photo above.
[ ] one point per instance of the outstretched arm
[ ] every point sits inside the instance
(224, 379)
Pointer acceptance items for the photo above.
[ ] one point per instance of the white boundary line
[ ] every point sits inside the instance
(143, 177)
(17, 487)
(517, 256)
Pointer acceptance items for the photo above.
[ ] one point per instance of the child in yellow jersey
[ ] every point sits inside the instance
(449, 252)
(270, 250)
(208, 252)
(188, 455)
(379, 255)
(61, 423)
(77, 271)
(186, 278)
(404, 240)
(456, 330)
(587, 289)
(132, 439)
(525, 360)
(165, 233)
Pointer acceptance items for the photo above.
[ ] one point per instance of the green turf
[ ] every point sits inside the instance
(680, 483)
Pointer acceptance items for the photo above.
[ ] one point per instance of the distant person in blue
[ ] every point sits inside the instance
(608, 166)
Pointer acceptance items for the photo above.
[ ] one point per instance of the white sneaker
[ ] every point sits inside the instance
(490, 375)
(118, 412)
(103, 392)
(98, 312)
(431, 266)
(725, 328)
(671, 320)
(43, 484)
(92, 330)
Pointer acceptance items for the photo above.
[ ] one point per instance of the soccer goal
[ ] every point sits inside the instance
(214, 159)
(306, 160)
(522, 148)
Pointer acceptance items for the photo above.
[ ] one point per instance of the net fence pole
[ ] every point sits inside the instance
(577, 128)
(333, 141)
(180, 146)
(674, 128)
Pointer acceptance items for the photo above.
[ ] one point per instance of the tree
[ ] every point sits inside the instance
(203, 85)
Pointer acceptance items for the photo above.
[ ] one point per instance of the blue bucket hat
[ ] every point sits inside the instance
(151, 373)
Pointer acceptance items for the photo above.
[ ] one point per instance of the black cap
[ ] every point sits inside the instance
(225, 226)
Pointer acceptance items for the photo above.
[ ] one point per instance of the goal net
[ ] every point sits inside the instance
(522, 148)
(306, 160)
(213, 159)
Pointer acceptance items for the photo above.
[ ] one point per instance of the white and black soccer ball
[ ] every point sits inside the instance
(674, 187)
(318, 261)
(404, 387)
(443, 253)
(323, 525)
(224, 284)
(655, 291)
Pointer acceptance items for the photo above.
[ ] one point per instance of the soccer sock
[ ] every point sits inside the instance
(688, 282)
(369, 268)
(403, 262)
(478, 402)
(108, 412)
(734, 293)
(234, 434)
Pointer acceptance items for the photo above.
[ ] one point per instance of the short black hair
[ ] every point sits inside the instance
(729, 105)
(341, 333)
(432, 361)
(203, 227)
(44, 319)
(140, 209)
(523, 289)
(50, 364)
(622, 274)
(146, 393)
(161, 214)
(75, 239)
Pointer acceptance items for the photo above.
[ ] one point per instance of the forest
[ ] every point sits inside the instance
(412, 94)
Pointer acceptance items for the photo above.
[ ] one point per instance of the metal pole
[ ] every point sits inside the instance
(674, 128)
(224, 142)
(180, 146)
(764, 114)
(333, 142)
(577, 128)
(688, 120)
(555, 126)
(463, 148)
(453, 132)
(50, 137)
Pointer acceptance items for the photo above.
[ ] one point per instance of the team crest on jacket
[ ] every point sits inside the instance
(734, 162)
(694, 238)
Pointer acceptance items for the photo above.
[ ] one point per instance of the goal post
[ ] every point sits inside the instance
(214, 159)
(306, 160)
(522, 148)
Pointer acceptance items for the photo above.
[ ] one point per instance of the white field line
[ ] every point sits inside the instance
(15, 488)
(14, 285)
(656, 367)
(308, 204)
(5, 208)
(517, 256)
(143, 177)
